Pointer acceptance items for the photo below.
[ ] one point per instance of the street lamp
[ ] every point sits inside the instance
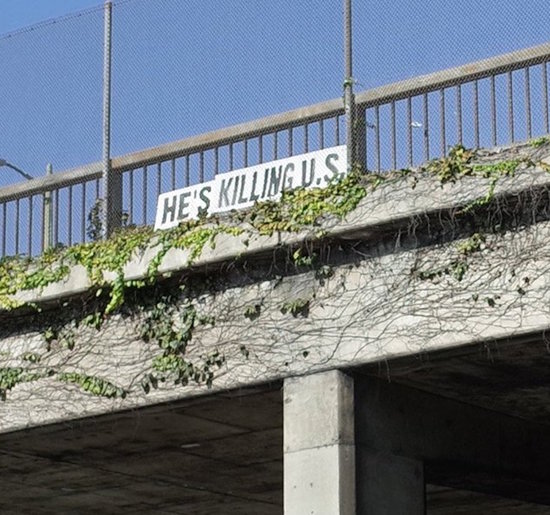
(3, 162)
(47, 226)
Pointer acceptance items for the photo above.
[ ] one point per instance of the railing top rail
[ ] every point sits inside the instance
(45, 183)
(235, 133)
(454, 76)
(270, 124)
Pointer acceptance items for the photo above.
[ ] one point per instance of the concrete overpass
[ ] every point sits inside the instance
(402, 369)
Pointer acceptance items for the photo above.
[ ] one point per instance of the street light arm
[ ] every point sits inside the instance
(3, 162)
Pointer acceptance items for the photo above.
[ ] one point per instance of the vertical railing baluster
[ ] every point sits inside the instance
(70, 216)
(337, 130)
(231, 156)
(393, 137)
(442, 123)
(16, 227)
(187, 170)
(545, 97)
(426, 127)
(159, 178)
(55, 224)
(528, 103)
(321, 134)
(275, 145)
(82, 214)
(145, 194)
(290, 142)
(459, 114)
(216, 160)
(409, 132)
(4, 225)
(201, 166)
(30, 227)
(306, 137)
(245, 153)
(173, 174)
(377, 137)
(360, 151)
(476, 115)
(131, 188)
(510, 87)
(261, 149)
(494, 134)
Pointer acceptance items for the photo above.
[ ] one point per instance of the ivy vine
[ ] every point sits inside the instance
(171, 329)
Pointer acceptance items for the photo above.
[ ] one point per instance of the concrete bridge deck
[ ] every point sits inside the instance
(405, 388)
(223, 453)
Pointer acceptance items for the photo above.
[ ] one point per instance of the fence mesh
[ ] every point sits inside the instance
(182, 69)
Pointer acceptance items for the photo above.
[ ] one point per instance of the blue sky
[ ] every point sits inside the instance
(182, 68)
(17, 14)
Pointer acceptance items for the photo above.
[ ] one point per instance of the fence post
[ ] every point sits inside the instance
(48, 218)
(349, 101)
(360, 138)
(112, 184)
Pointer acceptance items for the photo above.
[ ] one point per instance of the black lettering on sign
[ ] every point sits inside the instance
(204, 195)
(274, 181)
(242, 198)
(183, 205)
(253, 196)
(329, 162)
(307, 180)
(288, 180)
(169, 209)
(235, 190)
(266, 181)
(224, 191)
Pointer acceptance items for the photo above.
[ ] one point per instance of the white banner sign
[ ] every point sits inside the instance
(242, 188)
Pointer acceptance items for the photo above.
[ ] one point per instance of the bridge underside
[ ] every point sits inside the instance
(475, 420)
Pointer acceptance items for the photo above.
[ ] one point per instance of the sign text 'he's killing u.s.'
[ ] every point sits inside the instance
(240, 189)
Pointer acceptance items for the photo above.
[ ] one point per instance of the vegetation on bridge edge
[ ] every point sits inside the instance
(298, 210)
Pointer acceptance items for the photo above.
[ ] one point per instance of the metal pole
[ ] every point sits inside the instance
(111, 190)
(48, 221)
(3, 162)
(349, 101)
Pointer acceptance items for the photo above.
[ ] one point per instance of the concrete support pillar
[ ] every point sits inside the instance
(319, 445)
(389, 485)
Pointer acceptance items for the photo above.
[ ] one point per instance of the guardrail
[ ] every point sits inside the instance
(398, 125)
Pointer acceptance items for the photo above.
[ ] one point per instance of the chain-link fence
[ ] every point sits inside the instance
(184, 73)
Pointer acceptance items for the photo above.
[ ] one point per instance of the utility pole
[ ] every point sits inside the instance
(112, 186)
(349, 100)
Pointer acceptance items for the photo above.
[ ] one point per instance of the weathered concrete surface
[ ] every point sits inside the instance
(218, 454)
(387, 292)
(389, 484)
(454, 442)
(319, 445)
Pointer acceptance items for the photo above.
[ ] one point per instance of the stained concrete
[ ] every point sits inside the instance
(217, 454)
(479, 341)
(223, 453)
(319, 445)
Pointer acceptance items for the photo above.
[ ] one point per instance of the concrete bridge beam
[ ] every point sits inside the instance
(324, 473)
(460, 445)
(366, 446)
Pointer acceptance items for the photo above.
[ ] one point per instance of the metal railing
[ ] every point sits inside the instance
(498, 100)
